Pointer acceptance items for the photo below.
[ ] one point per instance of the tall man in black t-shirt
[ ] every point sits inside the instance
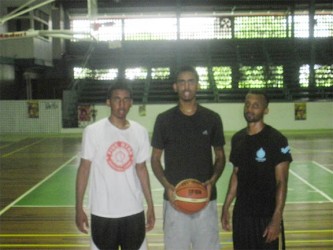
(261, 156)
(186, 134)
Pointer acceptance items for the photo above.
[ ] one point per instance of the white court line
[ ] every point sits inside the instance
(308, 202)
(310, 185)
(20, 149)
(323, 167)
(36, 186)
(48, 206)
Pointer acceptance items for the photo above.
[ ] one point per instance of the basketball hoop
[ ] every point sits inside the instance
(96, 26)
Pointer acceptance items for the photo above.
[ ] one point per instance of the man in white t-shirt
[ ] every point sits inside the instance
(113, 157)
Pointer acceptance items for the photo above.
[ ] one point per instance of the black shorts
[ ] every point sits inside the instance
(248, 231)
(111, 233)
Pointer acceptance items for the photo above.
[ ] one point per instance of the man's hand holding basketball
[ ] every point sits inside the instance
(171, 195)
(209, 185)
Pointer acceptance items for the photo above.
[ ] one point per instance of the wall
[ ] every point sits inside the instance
(15, 117)
(281, 115)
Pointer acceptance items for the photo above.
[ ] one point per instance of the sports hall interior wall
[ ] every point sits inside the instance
(48, 120)
(54, 80)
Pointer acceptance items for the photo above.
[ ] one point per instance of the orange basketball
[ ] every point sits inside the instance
(191, 196)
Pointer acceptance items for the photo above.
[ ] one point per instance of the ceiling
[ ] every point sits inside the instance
(235, 7)
(218, 5)
(105, 6)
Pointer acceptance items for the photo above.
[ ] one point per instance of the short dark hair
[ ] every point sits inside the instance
(119, 85)
(260, 92)
(187, 68)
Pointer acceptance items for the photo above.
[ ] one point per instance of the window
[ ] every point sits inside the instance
(160, 73)
(197, 28)
(260, 27)
(97, 74)
(136, 73)
(261, 77)
(222, 77)
(101, 30)
(82, 73)
(224, 28)
(301, 24)
(151, 29)
(323, 26)
(323, 75)
(203, 77)
(106, 74)
(106, 30)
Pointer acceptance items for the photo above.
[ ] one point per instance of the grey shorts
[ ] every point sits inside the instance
(197, 231)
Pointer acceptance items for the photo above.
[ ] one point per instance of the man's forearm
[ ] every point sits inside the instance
(145, 184)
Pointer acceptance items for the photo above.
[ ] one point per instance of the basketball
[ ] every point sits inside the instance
(190, 196)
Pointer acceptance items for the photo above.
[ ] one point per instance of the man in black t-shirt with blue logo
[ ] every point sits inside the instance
(261, 156)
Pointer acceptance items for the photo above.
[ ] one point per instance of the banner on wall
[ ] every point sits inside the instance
(300, 111)
(33, 109)
(86, 115)
(142, 110)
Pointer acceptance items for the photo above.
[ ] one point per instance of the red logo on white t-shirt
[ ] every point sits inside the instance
(120, 156)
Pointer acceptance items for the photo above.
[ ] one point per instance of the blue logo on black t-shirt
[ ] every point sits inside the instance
(285, 150)
(261, 155)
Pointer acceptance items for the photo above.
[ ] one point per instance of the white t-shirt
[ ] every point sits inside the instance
(115, 189)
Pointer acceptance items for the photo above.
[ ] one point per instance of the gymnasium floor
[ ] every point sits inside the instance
(37, 181)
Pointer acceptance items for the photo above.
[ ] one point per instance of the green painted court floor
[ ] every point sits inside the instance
(309, 182)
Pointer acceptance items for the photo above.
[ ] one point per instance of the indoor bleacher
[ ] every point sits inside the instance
(80, 46)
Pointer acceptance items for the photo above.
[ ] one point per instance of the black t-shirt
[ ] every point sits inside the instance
(256, 156)
(187, 143)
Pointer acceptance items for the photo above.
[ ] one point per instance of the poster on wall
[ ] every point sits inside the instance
(142, 110)
(33, 109)
(300, 111)
(86, 115)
